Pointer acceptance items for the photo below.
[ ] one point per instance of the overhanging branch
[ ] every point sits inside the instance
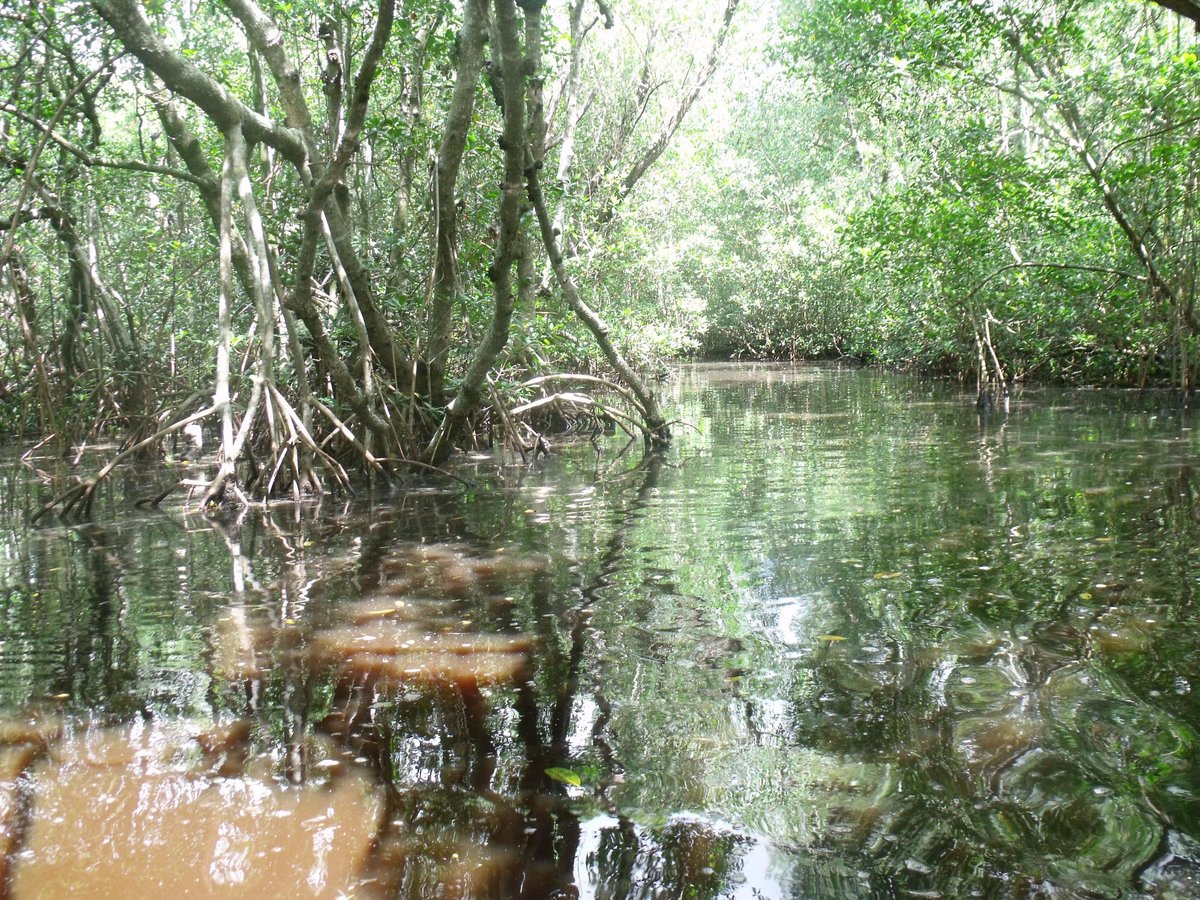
(99, 162)
(1103, 270)
(133, 29)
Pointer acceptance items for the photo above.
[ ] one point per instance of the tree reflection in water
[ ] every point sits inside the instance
(858, 645)
(472, 808)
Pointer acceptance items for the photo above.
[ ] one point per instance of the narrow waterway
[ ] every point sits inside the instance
(846, 639)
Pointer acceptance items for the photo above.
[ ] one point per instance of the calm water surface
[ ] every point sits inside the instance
(845, 640)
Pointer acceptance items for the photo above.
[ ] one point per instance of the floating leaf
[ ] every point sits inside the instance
(566, 776)
(832, 638)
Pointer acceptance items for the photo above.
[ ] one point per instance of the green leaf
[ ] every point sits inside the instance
(566, 776)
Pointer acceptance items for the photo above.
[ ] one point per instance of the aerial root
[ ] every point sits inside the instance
(341, 428)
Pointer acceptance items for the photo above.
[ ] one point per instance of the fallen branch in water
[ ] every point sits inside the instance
(158, 498)
(583, 400)
(624, 392)
(429, 467)
(28, 454)
(85, 491)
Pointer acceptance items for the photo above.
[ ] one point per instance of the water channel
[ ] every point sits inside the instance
(847, 639)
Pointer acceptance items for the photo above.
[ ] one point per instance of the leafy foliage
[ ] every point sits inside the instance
(902, 181)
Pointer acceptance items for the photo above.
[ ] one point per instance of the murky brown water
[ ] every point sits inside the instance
(845, 640)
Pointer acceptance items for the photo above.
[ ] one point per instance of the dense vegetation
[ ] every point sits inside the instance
(346, 237)
(1001, 189)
